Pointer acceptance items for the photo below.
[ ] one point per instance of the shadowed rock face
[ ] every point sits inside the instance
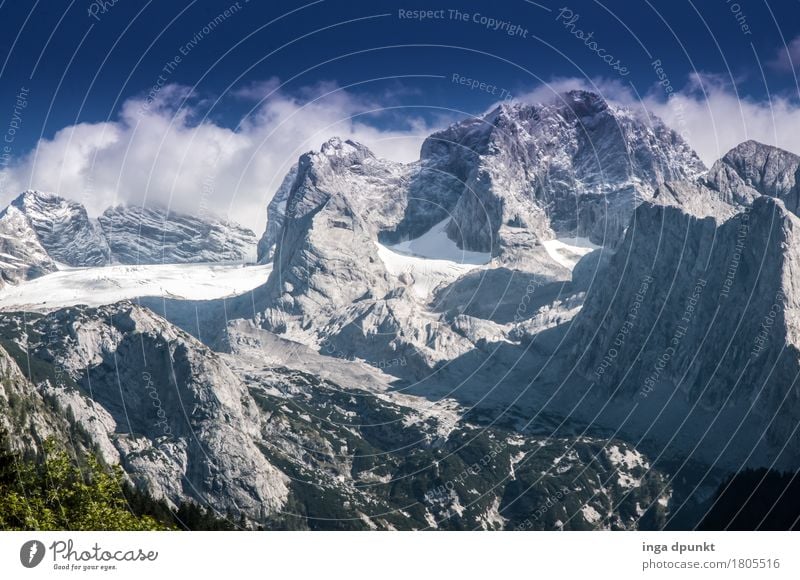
(698, 313)
(276, 213)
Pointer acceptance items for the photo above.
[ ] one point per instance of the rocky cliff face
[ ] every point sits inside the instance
(159, 403)
(500, 186)
(578, 166)
(149, 235)
(705, 319)
(23, 256)
(752, 169)
(328, 279)
(325, 253)
(26, 416)
(64, 229)
(276, 214)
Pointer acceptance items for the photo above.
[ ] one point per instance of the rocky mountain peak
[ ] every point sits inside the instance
(346, 149)
(570, 104)
(52, 230)
(575, 166)
(45, 206)
(766, 169)
(584, 103)
(753, 169)
(34, 197)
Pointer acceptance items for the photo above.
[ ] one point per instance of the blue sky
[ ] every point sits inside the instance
(81, 63)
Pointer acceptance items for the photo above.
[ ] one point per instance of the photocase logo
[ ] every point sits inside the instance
(31, 553)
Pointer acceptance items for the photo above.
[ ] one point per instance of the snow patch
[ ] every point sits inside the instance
(568, 251)
(435, 245)
(430, 260)
(110, 284)
(590, 514)
(629, 459)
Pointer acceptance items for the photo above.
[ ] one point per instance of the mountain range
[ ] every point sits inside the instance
(557, 318)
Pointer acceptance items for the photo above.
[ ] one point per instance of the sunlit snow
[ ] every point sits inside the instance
(567, 251)
(106, 285)
(430, 260)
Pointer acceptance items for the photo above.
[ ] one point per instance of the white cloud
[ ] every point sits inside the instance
(787, 57)
(716, 119)
(157, 150)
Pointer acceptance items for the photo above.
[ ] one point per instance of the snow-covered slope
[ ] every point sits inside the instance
(569, 251)
(429, 261)
(436, 245)
(110, 284)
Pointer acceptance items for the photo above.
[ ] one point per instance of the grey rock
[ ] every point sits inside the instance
(26, 416)
(64, 229)
(578, 166)
(752, 169)
(153, 235)
(164, 406)
(276, 215)
(38, 231)
(701, 323)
